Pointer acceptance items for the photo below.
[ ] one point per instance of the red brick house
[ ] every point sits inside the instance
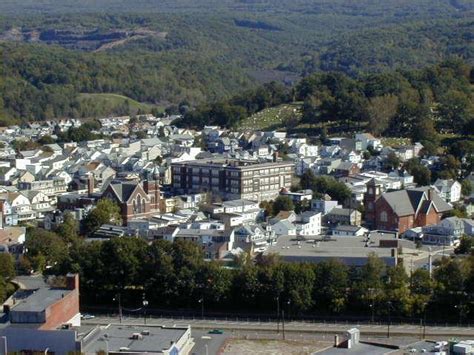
(403, 209)
(136, 199)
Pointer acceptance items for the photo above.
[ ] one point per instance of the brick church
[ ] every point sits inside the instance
(136, 199)
(403, 209)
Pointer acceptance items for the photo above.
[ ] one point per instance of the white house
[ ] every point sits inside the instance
(40, 203)
(308, 223)
(367, 140)
(284, 227)
(448, 190)
(324, 205)
(16, 208)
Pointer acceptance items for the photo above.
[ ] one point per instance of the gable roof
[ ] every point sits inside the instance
(410, 202)
(123, 191)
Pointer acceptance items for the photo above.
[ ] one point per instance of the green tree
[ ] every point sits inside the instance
(421, 174)
(44, 248)
(466, 187)
(392, 161)
(421, 288)
(381, 110)
(331, 285)
(465, 246)
(321, 185)
(69, 229)
(123, 258)
(299, 283)
(455, 110)
(450, 167)
(7, 266)
(397, 289)
(106, 211)
(282, 203)
(368, 287)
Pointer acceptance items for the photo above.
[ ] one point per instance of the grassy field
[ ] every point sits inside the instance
(395, 142)
(273, 118)
(111, 102)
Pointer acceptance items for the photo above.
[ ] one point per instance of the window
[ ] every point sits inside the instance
(383, 216)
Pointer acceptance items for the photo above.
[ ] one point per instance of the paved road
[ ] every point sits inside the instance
(299, 327)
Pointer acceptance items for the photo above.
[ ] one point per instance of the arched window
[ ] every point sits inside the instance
(383, 216)
(139, 205)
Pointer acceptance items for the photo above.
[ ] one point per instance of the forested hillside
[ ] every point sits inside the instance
(169, 52)
(418, 104)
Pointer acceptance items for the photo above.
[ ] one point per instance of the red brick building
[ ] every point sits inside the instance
(136, 199)
(45, 307)
(403, 209)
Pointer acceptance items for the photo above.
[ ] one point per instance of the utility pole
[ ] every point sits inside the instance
(424, 322)
(278, 314)
(283, 322)
(118, 298)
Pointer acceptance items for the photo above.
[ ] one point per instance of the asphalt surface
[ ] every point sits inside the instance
(298, 327)
(207, 344)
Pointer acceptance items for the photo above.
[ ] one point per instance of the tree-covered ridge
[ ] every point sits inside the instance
(40, 82)
(407, 103)
(198, 51)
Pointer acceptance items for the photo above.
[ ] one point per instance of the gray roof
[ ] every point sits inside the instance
(287, 224)
(37, 300)
(407, 202)
(118, 336)
(346, 228)
(341, 211)
(124, 190)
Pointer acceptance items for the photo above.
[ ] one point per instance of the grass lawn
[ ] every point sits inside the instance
(272, 118)
(109, 101)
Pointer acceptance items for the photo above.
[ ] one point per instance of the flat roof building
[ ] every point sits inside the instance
(128, 339)
(232, 179)
(352, 251)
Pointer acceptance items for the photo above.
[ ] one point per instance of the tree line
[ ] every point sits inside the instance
(176, 276)
(418, 104)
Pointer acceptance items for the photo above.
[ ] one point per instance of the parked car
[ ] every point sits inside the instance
(216, 331)
(87, 316)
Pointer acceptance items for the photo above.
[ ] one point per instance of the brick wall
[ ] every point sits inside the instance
(62, 311)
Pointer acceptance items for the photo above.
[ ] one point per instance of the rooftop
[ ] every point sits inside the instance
(350, 250)
(232, 163)
(37, 300)
(153, 338)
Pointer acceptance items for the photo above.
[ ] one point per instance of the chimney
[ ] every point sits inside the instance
(90, 185)
(430, 194)
(72, 281)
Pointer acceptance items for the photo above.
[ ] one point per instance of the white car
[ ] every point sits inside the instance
(87, 316)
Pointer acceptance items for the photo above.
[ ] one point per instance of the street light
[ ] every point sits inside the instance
(459, 307)
(145, 304)
(372, 311)
(118, 298)
(389, 306)
(201, 301)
